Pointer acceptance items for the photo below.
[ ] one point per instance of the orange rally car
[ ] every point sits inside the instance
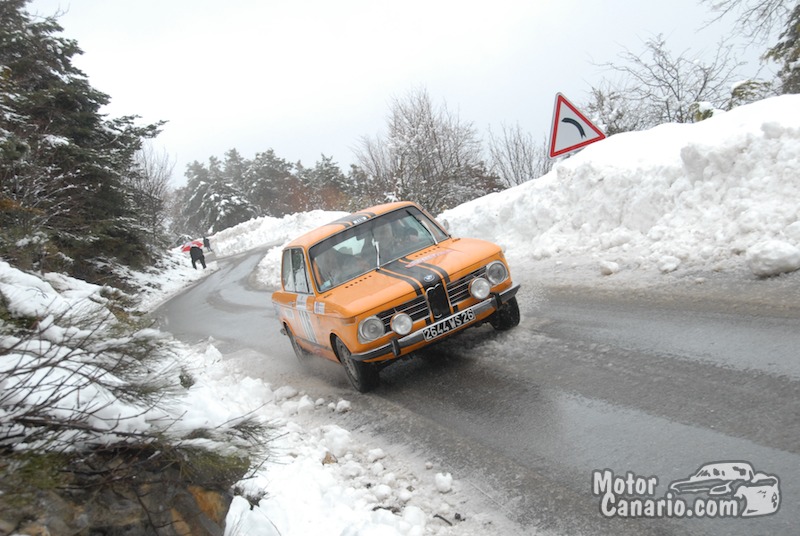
(384, 282)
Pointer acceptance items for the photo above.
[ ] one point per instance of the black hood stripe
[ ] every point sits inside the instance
(420, 276)
(425, 276)
(432, 267)
(425, 279)
(415, 284)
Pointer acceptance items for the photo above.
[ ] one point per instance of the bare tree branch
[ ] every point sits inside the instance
(663, 88)
(756, 19)
(515, 158)
(428, 155)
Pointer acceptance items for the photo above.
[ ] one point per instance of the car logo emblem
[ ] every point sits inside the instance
(428, 278)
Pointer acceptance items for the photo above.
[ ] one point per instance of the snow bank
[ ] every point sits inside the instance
(690, 196)
(267, 230)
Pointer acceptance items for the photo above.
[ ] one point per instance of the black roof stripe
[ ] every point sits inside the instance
(353, 219)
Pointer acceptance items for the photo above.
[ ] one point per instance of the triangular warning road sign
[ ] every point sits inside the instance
(570, 129)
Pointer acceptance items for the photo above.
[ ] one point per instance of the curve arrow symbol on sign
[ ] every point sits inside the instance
(577, 125)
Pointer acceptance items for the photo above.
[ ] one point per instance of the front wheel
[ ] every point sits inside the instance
(507, 316)
(363, 376)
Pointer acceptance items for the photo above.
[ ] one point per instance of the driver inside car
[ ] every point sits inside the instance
(329, 268)
(387, 243)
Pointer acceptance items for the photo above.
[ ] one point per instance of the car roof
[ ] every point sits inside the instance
(320, 233)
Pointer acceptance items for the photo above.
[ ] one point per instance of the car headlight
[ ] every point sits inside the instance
(496, 272)
(402, 324)
(370, 329)
(479, 288)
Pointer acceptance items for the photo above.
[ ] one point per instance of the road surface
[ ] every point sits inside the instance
(530, 419)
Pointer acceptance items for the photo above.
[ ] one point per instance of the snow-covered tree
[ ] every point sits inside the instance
(755, 19)
(149, 188)
(428, 155)
(326, 185)
(612, 111)
(759, 20)
(787, 52)
(63, 165)
(268, 182)
(209, 202)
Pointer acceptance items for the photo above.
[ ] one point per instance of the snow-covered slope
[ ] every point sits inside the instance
(714, 195)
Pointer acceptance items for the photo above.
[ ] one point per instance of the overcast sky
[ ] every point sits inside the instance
(312, 77)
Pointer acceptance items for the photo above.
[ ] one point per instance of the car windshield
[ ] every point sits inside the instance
(372, 244)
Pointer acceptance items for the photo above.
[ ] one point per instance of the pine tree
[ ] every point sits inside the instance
(210, 202)
(61, 175)
(327, 186)
(269, 182)
(234, 167)
(788, 51)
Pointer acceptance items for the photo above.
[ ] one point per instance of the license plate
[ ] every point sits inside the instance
(444, 326)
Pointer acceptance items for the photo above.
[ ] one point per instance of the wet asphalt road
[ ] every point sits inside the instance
(624, 382)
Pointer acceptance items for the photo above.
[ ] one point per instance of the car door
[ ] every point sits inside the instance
(297, 281)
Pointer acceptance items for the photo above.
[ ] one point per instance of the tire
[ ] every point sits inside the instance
(507, 316)
(363, 377)
(302, 356)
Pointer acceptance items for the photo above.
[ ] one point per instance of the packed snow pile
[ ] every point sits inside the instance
(268, 230)
(773, 257)
(324, 479)
(73, 363)
(711, 196)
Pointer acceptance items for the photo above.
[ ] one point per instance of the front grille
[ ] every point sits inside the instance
(437, 300)
(457, 292)
(416, 309)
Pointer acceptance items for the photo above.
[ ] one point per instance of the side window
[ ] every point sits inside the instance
(299, 272)
(287, 274)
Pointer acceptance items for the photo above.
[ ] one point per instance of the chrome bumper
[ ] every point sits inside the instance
(395, 346)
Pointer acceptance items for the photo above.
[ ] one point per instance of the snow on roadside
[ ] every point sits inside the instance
(265, 231)
(676, 198)
(719, 196)
(268, 230)
(319, 478)
(173, 273)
